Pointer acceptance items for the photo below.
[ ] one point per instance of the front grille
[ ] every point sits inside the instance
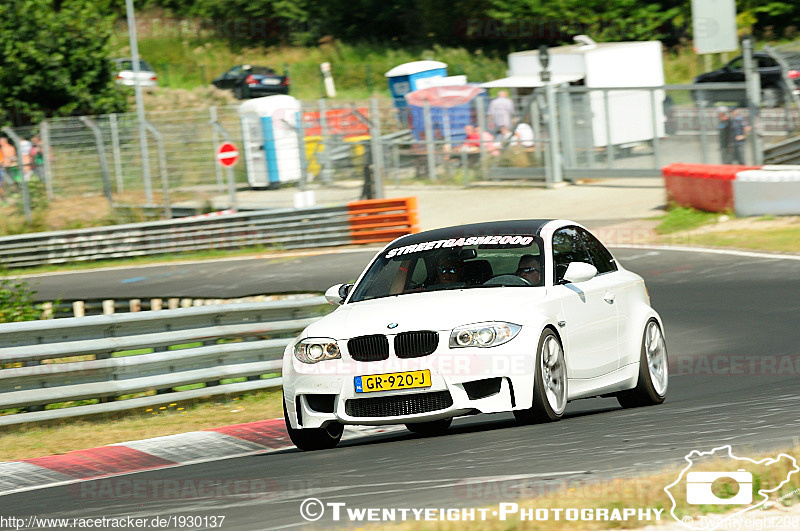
(369, 348)
(415, 344)
(395, 406)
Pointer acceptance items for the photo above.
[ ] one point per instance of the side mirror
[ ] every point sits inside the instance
(579, 272)
(338, 293)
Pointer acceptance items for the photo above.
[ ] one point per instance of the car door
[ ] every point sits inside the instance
(588, 310)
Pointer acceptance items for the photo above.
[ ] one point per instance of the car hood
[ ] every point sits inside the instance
(426, 311)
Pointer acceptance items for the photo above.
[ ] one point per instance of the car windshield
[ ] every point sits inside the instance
(481, 261)
(127, 64)
(262, 71)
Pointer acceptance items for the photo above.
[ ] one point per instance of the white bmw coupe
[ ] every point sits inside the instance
(520, 316)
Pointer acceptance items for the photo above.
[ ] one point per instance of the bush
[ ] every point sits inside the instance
(16, 301)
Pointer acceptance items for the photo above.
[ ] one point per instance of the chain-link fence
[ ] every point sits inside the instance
(350, 150)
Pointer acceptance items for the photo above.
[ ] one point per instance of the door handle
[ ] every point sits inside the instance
(609, 297)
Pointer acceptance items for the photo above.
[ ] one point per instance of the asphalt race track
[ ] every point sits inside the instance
(732, 333)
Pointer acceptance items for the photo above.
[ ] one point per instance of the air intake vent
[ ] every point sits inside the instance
(369, 348)
(415, 344)
(395, 406)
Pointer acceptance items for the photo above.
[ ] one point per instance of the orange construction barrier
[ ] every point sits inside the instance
(382, 220)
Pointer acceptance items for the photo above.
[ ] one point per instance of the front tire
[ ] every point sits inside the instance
(550, 382)
(651, 389)
(434, 427)
(311, 439)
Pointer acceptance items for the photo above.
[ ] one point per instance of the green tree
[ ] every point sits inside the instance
(54, 60)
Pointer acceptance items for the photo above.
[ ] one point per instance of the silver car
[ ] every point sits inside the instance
(124, 74)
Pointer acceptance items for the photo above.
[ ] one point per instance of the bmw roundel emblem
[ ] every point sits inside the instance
(391, 326)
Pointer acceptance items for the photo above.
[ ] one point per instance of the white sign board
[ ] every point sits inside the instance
(714, 25)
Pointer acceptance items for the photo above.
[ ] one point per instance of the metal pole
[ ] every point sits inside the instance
(656, 140)
(481, 110)
(143, 125)
(377, 150)
(229, 170)
(701, 119)
(537, 132)
(101, 154)
(429, 146)
(47, 155)
(589, 119)
(26, 198)
(609, 145)
(212, 111)
(753, 81)
(162, 168)
(116, 152)
(555, 135)
(301, 148)
(327, 168)
(567, 137)
(446, 143)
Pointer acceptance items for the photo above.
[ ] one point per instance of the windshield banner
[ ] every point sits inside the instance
(503, 241)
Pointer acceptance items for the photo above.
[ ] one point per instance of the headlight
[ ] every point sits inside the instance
(316, 349)
(483, 335)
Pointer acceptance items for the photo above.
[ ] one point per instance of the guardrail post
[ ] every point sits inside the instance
(26, 198)
(47, 158)
(162, 167)
(155, 304)
(115, 149)
(101, 154)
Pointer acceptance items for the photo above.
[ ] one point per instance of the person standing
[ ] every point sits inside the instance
(9, 160)
(739, 130)
(725, 135)
(501, 112)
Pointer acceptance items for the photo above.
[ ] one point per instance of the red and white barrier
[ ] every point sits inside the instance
(746, 190)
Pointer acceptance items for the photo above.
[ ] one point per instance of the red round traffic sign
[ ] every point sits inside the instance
(227, 154)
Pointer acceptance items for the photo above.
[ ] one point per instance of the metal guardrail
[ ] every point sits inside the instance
(786, 152)
(51, 362)
(286, 229)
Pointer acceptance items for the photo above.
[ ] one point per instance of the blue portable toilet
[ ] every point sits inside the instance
(403, 78)
(271, 146)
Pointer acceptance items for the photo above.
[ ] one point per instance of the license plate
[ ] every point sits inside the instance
(270, 81)
(393, 381)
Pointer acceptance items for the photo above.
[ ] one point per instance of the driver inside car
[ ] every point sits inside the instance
(530, 269)
(450, 270)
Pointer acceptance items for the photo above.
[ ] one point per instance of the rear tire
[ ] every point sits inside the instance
(311, 439)
(550, 382)
(651, 389)
(434, 427)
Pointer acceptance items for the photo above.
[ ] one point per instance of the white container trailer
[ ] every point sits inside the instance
(604, 65)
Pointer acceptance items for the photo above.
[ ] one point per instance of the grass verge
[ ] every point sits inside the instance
(177, 417)
(781, 239)
(683, 218)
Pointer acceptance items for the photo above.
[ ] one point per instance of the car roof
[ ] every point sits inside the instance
(511, 228)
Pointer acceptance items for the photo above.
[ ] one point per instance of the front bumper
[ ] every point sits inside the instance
(463, 381)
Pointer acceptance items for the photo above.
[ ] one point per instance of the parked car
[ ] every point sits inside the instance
(248, 81)
(520, 316)
(773, 87)
(124, 74)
